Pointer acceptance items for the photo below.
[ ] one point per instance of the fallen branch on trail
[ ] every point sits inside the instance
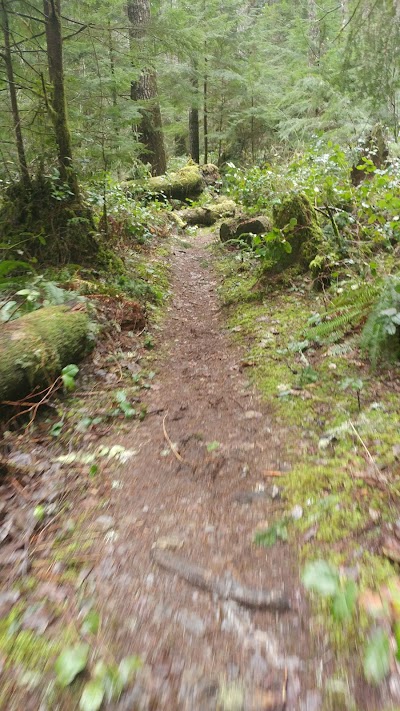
(226, 588)
(35, 348)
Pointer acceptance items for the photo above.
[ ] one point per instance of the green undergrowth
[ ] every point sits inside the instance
(327, 397)
(339, 417)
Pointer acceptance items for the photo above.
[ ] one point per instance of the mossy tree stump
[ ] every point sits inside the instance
(304, 236)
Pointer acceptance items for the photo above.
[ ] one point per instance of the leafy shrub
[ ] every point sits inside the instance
(381, 334)
(35, 293)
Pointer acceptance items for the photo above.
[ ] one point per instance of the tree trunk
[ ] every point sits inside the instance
(36, 347)
(314, 54)
(23, 166)
(194, 124)
(57, 102)
(111, 54)
(205, 114)
(145, 91)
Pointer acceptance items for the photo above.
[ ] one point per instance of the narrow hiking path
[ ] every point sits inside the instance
(201, 652)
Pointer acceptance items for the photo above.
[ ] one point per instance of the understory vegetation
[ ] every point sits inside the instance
(126, 126)
(323, 348)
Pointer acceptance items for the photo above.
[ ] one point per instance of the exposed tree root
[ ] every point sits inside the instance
(224, 587)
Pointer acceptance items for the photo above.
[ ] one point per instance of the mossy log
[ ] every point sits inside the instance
(241, 227)
(185, 183)
(36, 347)
(208, 214)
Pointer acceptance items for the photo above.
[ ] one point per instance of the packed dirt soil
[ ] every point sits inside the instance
(181, 582)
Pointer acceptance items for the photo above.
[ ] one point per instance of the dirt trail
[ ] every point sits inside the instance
(201, 652)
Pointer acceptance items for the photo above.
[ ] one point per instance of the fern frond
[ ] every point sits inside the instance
(330, 331)
(381, 334)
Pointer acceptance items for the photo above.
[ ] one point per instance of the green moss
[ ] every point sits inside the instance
(328, 476)
(187, 182)
(304, 238)
(38, 345)
(23, 647)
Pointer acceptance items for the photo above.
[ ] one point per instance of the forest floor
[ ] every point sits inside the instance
(205, 506)
(202, 474)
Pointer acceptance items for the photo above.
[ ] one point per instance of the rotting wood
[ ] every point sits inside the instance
(226, 588)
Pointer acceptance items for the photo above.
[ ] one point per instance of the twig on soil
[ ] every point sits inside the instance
(20, 489)
(226, 588)
(380, 477)
(170, 443)
(284, 689)
(33, 407)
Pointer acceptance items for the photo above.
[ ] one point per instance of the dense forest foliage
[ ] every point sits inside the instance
(251, 79)
(128, 125)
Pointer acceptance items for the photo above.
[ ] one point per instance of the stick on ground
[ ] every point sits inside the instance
(224, 587)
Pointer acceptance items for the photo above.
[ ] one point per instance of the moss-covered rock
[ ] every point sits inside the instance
(224, 207)
(36, 347)
(297, 220)
(210, 173)
(241, 227)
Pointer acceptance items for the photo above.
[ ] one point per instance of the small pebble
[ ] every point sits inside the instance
(297, 513)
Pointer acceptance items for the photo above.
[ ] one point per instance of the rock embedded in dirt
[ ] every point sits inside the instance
(191, 622)
(104, 523)
(168, 543)
(243, 228)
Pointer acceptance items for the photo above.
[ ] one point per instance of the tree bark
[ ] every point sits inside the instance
(57, 102)
(194, 124)
(145, 91)
(36, 347)
(205, 109)
(23, 166)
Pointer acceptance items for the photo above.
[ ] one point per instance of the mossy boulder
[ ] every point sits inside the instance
(224, 207)
(301, 236)
(242, 227)
(36, 347)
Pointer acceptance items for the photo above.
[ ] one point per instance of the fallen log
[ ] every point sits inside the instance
(226, 588)
(207, 215)
(36, 347)
(185, 183)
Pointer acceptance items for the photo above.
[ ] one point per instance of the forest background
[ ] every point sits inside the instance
(252, 80)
